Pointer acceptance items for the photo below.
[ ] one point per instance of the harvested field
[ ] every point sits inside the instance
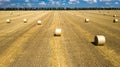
(32, 45)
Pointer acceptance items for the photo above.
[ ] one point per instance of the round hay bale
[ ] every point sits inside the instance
(8, 20)
(39, 22)
(87, 20)
(115, 20)
(58, 32)
(25, 20)
(114, 15)
(99, 40)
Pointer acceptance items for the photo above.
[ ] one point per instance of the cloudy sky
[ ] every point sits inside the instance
(60, 3)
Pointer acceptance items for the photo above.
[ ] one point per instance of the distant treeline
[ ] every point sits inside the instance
(60, 8)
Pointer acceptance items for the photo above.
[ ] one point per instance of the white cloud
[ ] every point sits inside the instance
(26, 0)
(63, 4)
(2, 1)
(90, 1)
(116, 2)
(42, 3)
(29, 4)
(107, 3)
(13, 4)
(105, 0)
(52, 2)
(55, 2)
(5, 0)
(35, 0)
(73, 1)
(18, 5)
(95, 1)
(64, 1)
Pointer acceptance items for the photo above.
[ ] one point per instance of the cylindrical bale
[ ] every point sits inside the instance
(25, 20)
(58, 32)
(8, 20)
(114, 15)
(87, 20)
(39, 22)
(99, 40)
(115, 20)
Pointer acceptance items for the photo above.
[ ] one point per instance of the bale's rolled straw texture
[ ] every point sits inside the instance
(99, 40)
(25, 20)
(87, 20)
(114, 15)
(115, 20)
(58, 32)
(39, 22)
(8, 20)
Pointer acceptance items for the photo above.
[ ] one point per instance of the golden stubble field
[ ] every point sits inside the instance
(32, 45)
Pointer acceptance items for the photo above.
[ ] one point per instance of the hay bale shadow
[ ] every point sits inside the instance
(57, 35)
(96, 44)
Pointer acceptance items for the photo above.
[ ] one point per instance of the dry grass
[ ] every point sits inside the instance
(34, 45)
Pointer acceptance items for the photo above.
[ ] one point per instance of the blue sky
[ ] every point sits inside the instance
(59, 3)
